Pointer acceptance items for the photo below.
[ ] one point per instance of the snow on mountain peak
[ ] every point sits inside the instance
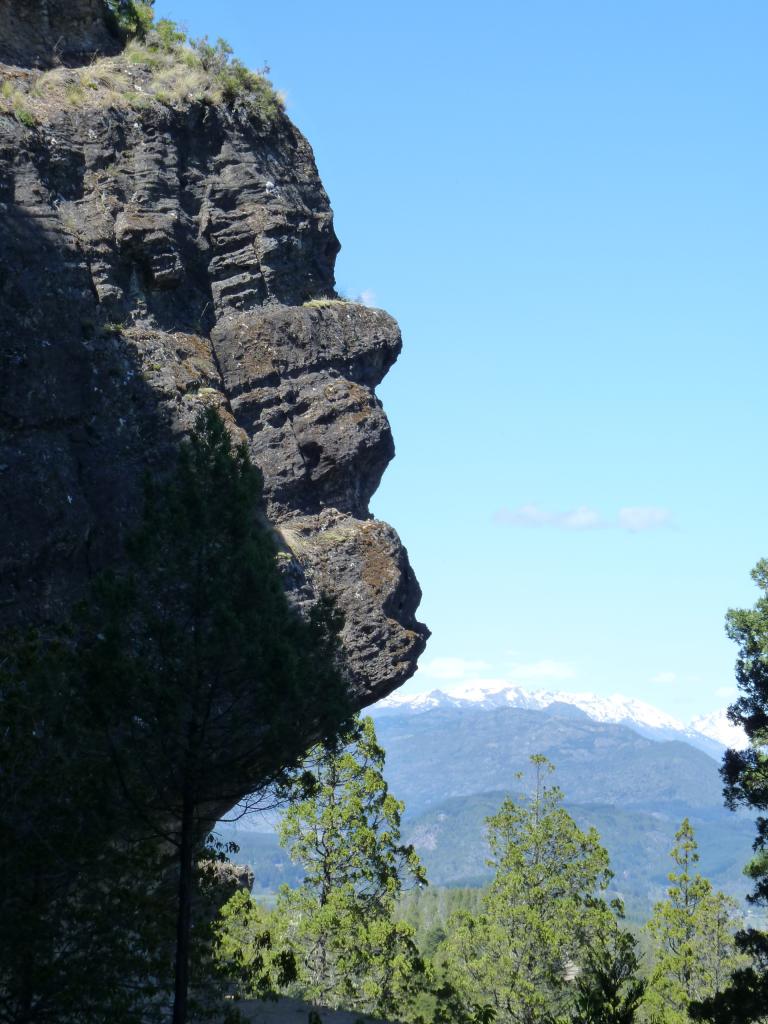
(709, 732)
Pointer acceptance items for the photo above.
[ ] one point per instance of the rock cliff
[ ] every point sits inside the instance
(163, 246)
(42, 32)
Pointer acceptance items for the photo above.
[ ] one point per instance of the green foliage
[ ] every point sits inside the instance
(184, 683)
(235, 79)
(540, 914)
(131, 19)
(343, 827)
(428, 909)
(693, 938)
(608, 989)
(211, 675)
(745, 774)
(167, 35)
(245, 950)
(214, 57)
(64, 901)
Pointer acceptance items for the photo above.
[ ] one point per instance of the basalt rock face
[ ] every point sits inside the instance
(152, 261)
(41, 32)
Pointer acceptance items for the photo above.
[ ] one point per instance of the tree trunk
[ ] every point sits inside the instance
(183, 913)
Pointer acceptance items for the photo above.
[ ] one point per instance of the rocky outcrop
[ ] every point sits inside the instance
(40, 33)
(155, 257)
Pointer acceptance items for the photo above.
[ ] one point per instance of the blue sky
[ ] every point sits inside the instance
(565, 207)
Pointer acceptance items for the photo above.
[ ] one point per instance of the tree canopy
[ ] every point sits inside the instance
(184, 682)
(343, 827)
(541, 913)
(745, 774)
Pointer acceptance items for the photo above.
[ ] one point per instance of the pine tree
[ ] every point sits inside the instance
(693, 938)
(214, 683)
(540, 915)
(745, 774)
(185, 683)
(609, 989)
(343, 827)
(76, 890)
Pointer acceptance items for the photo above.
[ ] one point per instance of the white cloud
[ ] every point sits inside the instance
(367, 297)
(634, 519)
(475, 672)
(643, 517)
(581, 518)
(452, 668)
(526, 515)
(544, 669)
(664, 677)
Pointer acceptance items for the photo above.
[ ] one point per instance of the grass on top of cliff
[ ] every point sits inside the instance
(163, 68)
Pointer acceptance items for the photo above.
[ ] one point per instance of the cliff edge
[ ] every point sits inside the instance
(165, 243)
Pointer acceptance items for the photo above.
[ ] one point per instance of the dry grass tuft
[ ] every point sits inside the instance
(137, 78)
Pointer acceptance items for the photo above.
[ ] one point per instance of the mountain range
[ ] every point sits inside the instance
(624, 767)
(711, 733)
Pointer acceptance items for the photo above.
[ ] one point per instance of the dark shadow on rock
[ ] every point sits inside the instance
(41, 33)
(79, 424)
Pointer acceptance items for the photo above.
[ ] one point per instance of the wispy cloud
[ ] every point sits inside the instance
(475, 671)
(633, 519)
(367, 297)
(644, 517)
(453, 668)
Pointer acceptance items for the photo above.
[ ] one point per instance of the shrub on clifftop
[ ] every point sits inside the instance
(130, 18)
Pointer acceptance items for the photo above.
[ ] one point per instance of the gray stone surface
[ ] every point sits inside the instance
(46, 32)
(155, 260)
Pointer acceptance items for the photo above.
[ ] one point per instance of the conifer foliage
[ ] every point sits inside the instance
(745, 773)
(693, 938)
(343, 827)
(542, 912)
(184, 683)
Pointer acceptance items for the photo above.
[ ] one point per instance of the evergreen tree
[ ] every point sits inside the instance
(540, 915)
(343, 827)
(185, 683)
(75, 890)
(130, 18)
(693, 938)
(214, 683)
(608, 989)
(745, 774)
(245, 948)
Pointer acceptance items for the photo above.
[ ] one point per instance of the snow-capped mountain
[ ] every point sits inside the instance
(719, 728)
(710, 733)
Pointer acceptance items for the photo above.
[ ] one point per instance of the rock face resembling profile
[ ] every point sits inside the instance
(156, 257)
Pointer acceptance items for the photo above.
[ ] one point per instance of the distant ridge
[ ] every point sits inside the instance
(710, 733)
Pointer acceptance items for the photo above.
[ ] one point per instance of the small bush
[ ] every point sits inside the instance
(214, 58)
(167, 36)
(23, 115)
(132, 19)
